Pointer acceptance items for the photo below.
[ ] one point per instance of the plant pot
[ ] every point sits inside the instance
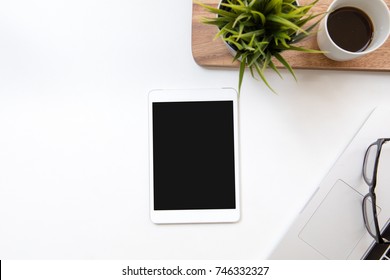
(232, 50)
(261, 33)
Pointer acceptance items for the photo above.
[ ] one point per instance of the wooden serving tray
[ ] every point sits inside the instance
(210, 52)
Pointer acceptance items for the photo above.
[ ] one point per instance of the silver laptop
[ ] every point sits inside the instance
(331, 225)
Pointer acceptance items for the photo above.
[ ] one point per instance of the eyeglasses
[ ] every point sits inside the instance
(370, 169)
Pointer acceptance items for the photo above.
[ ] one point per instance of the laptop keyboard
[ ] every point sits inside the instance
(386, 255)
(380, 251)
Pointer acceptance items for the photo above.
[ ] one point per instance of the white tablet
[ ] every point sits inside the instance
(193, 146)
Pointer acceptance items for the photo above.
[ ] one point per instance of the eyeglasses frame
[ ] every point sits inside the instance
(371, 193)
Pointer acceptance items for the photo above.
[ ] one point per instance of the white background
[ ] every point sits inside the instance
(74, 78)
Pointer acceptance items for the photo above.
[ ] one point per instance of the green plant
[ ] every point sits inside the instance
(259, 30)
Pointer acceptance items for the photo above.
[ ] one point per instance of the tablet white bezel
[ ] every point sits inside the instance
(195, 216)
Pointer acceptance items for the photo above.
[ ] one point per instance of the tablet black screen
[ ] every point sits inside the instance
(193, 155)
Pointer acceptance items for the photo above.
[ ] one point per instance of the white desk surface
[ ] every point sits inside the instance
(74, 78)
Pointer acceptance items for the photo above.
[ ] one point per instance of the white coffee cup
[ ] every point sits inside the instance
(376, 10)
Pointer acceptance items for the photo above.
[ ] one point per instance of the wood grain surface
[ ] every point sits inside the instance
(210, 52)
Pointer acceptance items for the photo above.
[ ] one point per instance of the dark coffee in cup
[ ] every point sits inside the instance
(350, 28)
